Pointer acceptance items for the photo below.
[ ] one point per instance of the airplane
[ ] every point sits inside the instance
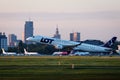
(60, 53)
(59, 44)
(30, 53)
(8, 53)
(80, 53)
(118, 51)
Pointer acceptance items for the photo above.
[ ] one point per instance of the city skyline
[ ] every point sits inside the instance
(94, 19)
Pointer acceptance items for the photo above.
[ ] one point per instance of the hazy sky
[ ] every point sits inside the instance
(94, 19)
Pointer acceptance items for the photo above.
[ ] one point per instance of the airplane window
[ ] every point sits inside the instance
(33, 36)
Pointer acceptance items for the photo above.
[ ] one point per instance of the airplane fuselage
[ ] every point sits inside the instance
(58, 43)
(52, 41)
(92, 48)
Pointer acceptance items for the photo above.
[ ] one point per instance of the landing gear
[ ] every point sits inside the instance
(111, 53)
(72, 52)
(101, 54)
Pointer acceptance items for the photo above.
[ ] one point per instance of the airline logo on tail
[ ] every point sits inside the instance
(110, 42)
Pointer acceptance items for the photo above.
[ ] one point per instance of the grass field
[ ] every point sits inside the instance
(59, 68)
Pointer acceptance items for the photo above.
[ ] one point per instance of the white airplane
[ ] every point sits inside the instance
(30, 53)
(118, 51)
(60, 53)
(80, 53)
(8, 53)
(59, 44)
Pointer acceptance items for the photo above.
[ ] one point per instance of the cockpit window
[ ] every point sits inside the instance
(33, 36)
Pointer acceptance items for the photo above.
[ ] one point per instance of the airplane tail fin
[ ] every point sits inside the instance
(110, 42)
(25, 51)
(3, 51)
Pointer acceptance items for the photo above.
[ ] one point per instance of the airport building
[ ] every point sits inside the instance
(28, 30)
(57, 35)
(12, 40)
(75, 36)
(3, 41)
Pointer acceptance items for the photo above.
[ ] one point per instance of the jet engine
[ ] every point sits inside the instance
(58, 46)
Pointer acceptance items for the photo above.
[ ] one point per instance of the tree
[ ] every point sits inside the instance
(20, 47)
(12, 49)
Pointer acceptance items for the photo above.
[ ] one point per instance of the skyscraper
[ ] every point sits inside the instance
(3, 41)
(12, 39)
(75, 36)
(28, 30)
(57, 35)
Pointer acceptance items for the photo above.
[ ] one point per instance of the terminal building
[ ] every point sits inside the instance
(75, 36)
(28, 30)
(3, 41)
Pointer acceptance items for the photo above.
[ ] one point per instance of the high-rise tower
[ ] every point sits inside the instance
(75, 36)
(12, 39)
(3, 41)
(28, 30)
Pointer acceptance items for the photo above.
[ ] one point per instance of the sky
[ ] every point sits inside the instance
(94, 19)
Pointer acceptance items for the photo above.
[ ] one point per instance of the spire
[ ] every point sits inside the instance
(57, 31)
(57, 35)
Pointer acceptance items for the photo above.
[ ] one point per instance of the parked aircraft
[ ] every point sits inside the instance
(30, 53)
(80, 53)
(59, 44)
(118, 51)
(60, 53)
(8, 53)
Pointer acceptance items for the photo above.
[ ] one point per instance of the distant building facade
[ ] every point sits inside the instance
(12, 40)
(75, 36)
(28, 30)
(3, 41)
(57, 35)
(17, 42)
(23, 37)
